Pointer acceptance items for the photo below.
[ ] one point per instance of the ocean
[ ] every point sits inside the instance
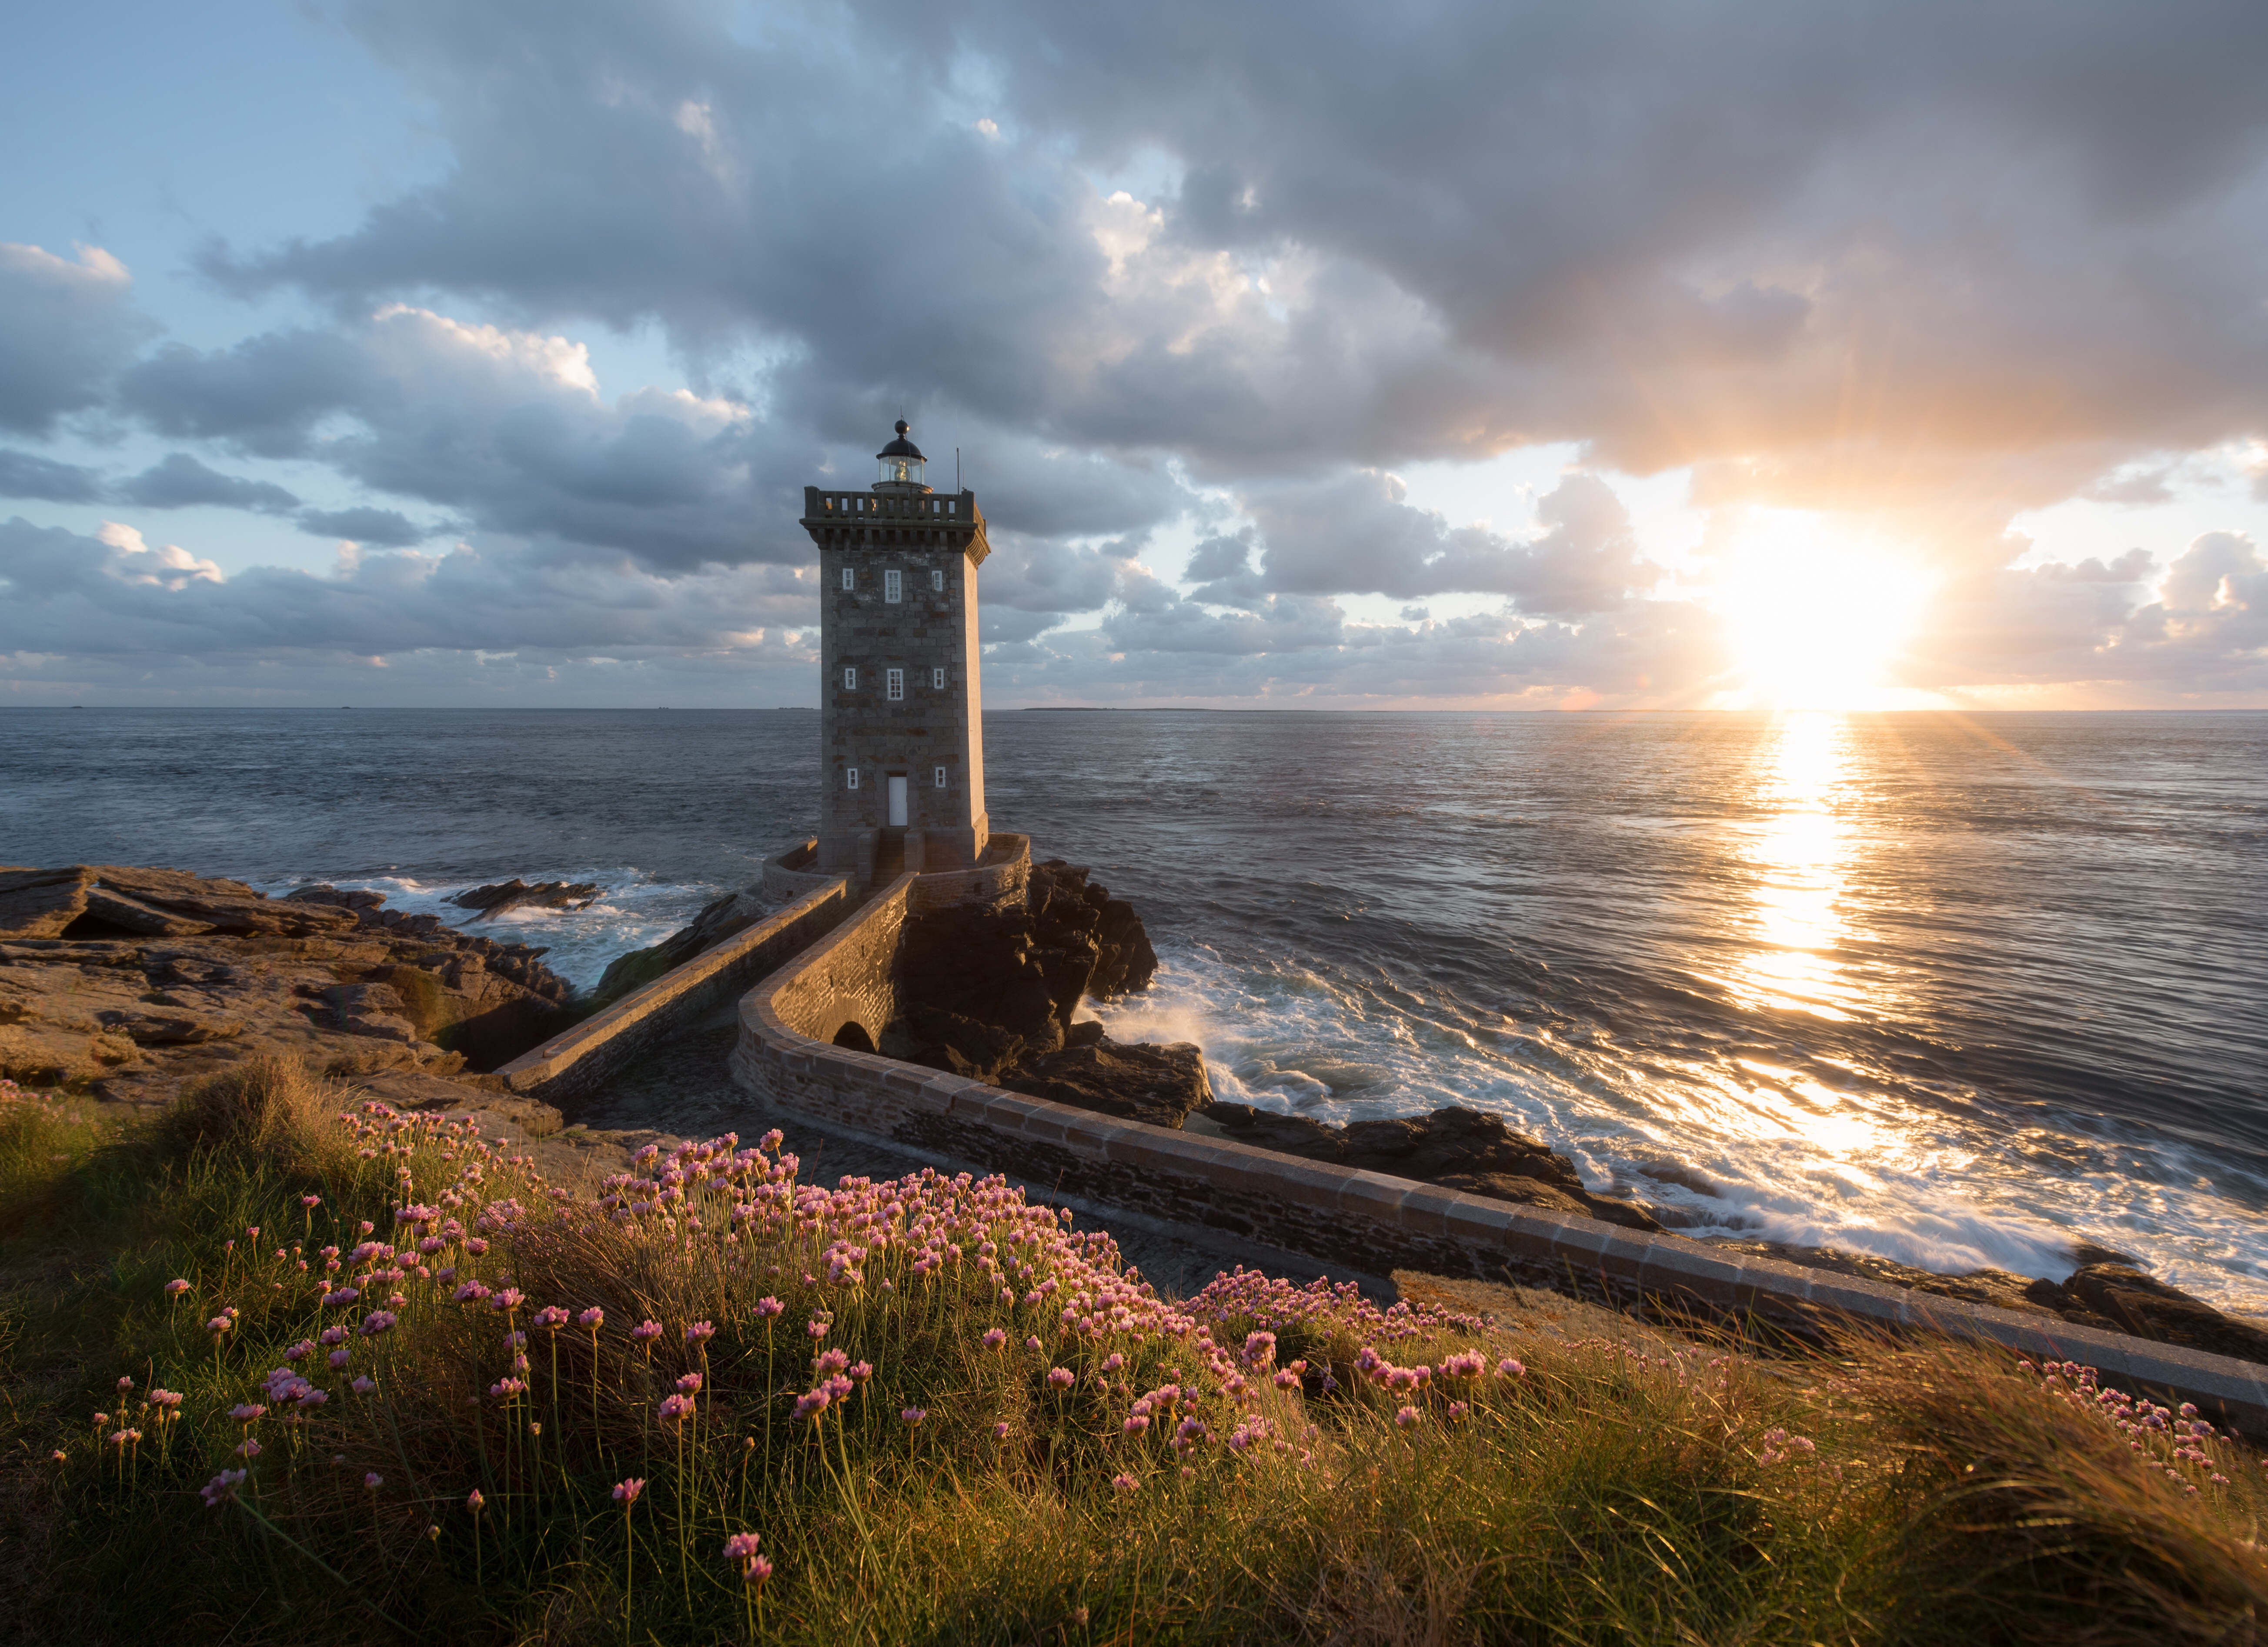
(1957, 989)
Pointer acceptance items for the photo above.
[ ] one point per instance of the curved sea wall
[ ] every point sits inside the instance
(1364, 1221)
(582, 1059)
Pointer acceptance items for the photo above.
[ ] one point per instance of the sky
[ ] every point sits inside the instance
(1487, 355)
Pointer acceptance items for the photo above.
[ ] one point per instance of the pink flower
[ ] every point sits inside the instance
(830, 1361)
(1125, 1483)
(551, 1318)
(817, 1329)
(1032, 1344)
(363, 1386)
(247, 1449)
(311, 1202)
(999, 1432)
(1458, 1409)
(645, 1332)
(376, 1322)
(690, 1385)
(333, 1336)
(994, 1339)
(339, 1358)
(175, 1289)
(861, 1370)
(700, 1333)
(474, 1501)
(741, 1547)
(626, 1492)
(768, 1307)
(248, 1412)
(677, 1409)
(505, 1389)
(510, 1298)
(223, 1487)
(812, 1405)
(913, 1414)
(1405, 1418)
(1508, 1368)
(1061, 1378)
(1138, 1424)
(218, 1325)
(340, 1296)
(374, 1481)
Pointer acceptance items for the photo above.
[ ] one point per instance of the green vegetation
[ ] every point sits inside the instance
(926, 1411)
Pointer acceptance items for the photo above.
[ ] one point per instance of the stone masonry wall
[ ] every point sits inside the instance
(580, 1060)
(847, 978)
(1367, 1221)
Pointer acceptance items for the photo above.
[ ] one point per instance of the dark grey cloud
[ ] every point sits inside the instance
(23, 474)
(381, 528)
(1357, 535)
(116, 596)
(179, 482)
(1672, 235)
(66, 327)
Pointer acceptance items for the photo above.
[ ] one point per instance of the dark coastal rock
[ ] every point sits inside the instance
(1160, 1084)
(1465, 1150)
(161, 976)
(724, 917)
(989, 993)
(515, 892)
(2148, 1308)
(2112, 1297)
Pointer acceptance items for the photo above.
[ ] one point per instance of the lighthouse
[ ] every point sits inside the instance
(901, 746)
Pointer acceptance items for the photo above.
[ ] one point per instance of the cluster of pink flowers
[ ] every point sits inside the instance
(2174, 1442)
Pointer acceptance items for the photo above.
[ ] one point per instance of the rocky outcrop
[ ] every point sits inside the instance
(159, 977)
(1458, 1148)
(1161, 1085)
(725, 917)
(520, 964)
(94, 900)
(516, 893)
(988, 991)
(991, 993)
(2107, 1292)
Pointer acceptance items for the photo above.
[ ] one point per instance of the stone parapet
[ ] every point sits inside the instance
(795, 873)
(998, 880)
(582, 1059)
(1366, 1221)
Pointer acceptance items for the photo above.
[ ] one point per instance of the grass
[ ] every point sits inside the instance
(944, 1415)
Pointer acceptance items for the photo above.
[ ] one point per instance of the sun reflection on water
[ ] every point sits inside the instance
(1799, 857)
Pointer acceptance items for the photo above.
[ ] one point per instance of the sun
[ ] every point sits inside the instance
(1814, 618)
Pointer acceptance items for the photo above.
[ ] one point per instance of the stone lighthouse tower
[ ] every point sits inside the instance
(901, 748)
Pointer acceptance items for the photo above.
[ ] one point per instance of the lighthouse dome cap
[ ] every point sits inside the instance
(902, 447)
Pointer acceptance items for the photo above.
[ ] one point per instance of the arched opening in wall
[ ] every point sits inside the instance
(855, 1037)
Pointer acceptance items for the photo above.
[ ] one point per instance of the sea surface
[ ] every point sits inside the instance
(1956, 989)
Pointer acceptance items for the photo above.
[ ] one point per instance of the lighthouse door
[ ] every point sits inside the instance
(897, 801)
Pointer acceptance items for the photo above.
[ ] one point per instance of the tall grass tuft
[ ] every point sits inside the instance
(389, 1383)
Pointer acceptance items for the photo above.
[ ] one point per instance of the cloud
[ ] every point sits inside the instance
(182, 482)
(23, 476)
(116, 599)
(384, 527)
(66, 327)
(1357, 534)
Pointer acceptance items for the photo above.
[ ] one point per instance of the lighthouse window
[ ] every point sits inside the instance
(850, 579)
(894, 683)
(937, 680)
(893, 586)
(849, 680)
(940, 778)
(854, 777)
(937, 581)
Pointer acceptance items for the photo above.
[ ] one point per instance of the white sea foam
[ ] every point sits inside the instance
(634, 911)
(1870, 1174)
